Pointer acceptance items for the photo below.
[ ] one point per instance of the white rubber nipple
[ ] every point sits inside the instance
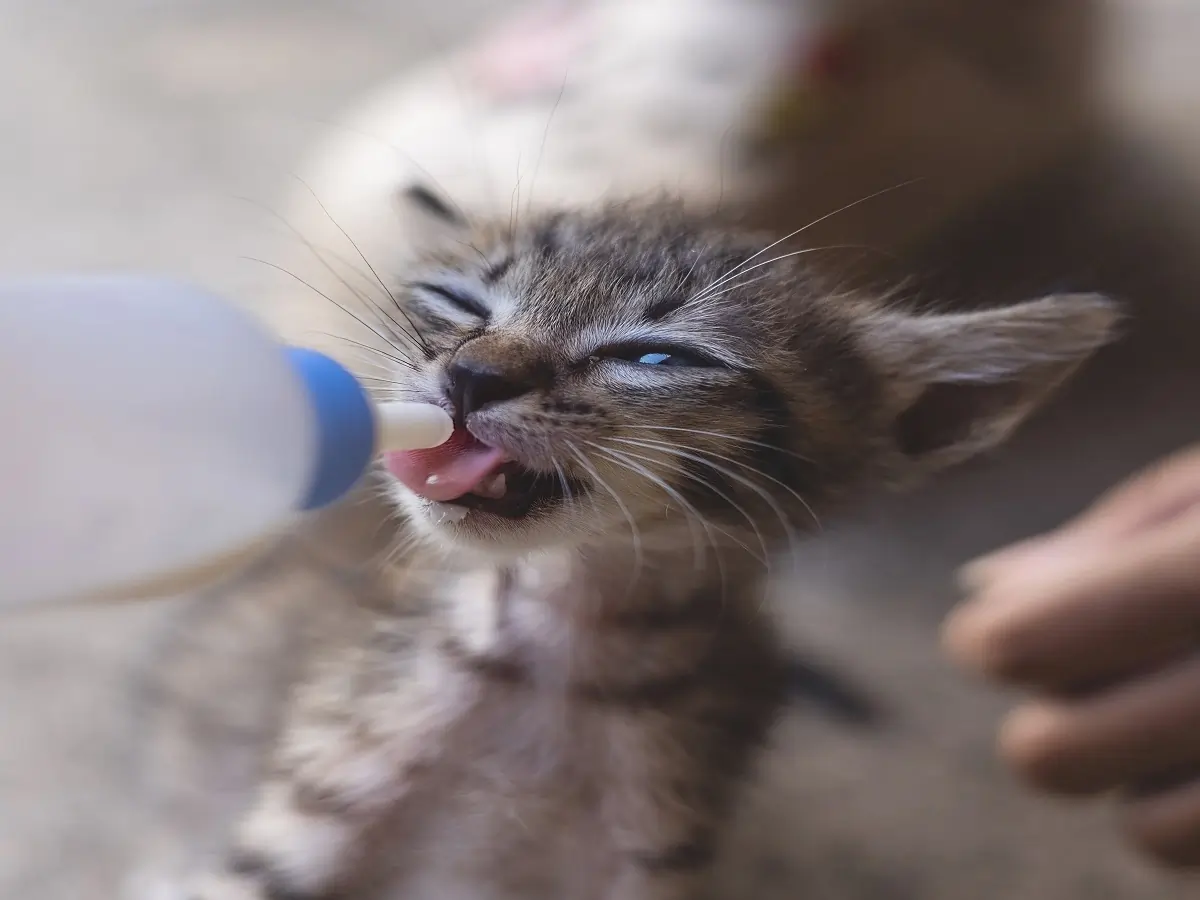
(412, 426)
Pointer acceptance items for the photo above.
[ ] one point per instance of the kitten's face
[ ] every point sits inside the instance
(626, 376)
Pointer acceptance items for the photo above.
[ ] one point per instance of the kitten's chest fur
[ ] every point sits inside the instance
(559, 714)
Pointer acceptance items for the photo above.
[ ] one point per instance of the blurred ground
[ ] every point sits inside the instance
(125, 145)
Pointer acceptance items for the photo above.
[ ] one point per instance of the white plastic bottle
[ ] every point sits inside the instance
(149, 431)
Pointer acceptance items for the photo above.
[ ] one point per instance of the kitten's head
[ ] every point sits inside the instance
(629, 372)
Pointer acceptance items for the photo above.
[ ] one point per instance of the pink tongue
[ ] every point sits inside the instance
(457, 467)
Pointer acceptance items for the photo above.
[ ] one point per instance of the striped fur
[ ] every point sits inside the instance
(565, 705)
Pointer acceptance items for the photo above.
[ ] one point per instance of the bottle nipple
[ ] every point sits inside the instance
(411, 426)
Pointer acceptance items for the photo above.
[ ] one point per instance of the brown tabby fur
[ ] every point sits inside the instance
(565, 705)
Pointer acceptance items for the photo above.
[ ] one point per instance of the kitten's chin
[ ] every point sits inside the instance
(455, 526)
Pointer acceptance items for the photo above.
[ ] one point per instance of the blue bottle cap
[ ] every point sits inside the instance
(345, 426)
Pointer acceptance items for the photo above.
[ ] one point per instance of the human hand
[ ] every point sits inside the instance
(1100, 621)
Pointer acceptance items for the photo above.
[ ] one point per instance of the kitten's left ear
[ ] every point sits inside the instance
(960, 383)
(424, 201)
(428, 220)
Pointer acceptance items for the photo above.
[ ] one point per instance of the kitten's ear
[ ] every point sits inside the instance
(422, 201)
(429, 221)
(960, 383)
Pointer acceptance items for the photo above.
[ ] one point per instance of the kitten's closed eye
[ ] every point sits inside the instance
(455, 298)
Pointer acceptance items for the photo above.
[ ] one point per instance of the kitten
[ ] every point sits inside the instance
(570, 680)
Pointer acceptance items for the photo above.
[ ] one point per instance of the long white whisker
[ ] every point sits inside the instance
(366, 262)
(765, 559)
(744, 267)
(537, 166)
(320, 255)
(750, 468)
(815, 222)
(367, 363)
(398, 360)
(568, 495)
(361, 321)
(724, 437)
(710, 292)
(638, 555)
(691, 514)
(757, 488)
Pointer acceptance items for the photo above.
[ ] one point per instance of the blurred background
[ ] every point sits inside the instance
(1057, 145)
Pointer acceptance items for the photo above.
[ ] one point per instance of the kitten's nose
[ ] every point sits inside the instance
(474, 384)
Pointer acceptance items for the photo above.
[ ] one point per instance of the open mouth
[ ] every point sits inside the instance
(468, 474)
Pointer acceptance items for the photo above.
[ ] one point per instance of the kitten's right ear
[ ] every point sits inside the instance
(960, 383)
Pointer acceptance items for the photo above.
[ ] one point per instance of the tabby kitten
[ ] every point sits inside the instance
(568, 685)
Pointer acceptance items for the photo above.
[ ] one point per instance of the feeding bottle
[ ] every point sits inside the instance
(151, 431)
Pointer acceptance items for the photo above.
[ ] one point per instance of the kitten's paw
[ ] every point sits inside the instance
(235, 886)
(153, 884)
(228, 887)
(293, 852)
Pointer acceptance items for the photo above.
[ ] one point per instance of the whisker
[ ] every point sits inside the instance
(711, 293)
(482, 256)
(389, 382)
(691, 514)
(537, 166)
(757, 488)
(398, 360)
(388, 392)
(385, 391)
(725, 437)
(361, 321)
(320, 255)
(744, 268)
(568, 494)
(635, 533)
(370, 363)
(765, 559)
(514, 201)
(366, 262)
(815, 222)
(755, 471)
